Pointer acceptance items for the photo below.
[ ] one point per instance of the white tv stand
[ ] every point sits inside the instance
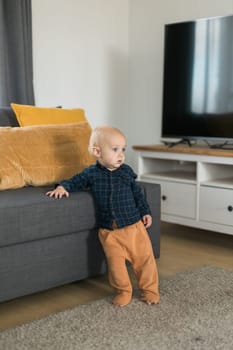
(196, 184)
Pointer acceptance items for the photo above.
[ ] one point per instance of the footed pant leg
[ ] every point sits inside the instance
(147, 276)
(117, 270)
(145, 267)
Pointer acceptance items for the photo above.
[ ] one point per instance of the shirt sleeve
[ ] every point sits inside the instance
(77, 182)
(139, 196)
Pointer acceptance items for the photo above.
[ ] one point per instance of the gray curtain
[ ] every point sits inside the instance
(16, 71)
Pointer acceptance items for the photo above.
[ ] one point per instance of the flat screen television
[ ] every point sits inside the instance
(198, 80)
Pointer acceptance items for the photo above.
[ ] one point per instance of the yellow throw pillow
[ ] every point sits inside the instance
(42, 155)
(32, 115)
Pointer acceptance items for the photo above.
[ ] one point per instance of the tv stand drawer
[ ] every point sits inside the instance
(178, 199)
(216, 205)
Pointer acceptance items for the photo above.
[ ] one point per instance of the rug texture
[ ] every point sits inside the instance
(195, 312)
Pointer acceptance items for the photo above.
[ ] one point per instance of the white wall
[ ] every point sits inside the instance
(106, 56)
(80, 50)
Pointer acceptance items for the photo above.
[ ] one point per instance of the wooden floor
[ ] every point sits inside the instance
(182, 249)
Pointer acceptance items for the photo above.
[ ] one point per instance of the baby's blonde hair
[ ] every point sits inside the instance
(98, 134)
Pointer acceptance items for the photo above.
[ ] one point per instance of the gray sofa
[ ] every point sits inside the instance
(46, 242)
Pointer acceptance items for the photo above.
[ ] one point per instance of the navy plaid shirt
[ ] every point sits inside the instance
(118, 197)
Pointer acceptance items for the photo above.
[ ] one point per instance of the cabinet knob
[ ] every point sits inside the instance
(230, 208)
(164, 198)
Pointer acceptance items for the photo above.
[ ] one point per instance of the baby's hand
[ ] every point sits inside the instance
(147, 220)
(59, 192)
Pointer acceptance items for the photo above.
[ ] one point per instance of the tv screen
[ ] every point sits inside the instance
(198, 79)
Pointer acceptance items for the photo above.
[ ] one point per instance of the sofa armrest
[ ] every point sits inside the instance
(152, 194)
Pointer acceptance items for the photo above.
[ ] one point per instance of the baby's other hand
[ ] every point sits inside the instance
(59, 192)
(147, 220)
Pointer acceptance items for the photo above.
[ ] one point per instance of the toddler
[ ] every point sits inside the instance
(123, 215)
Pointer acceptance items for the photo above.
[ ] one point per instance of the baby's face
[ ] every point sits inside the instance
(112, 151)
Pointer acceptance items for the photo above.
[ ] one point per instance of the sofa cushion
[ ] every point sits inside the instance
(27, 214)
(33, 115)
(42, 155)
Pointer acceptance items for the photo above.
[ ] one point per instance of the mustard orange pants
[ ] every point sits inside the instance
(131, 243)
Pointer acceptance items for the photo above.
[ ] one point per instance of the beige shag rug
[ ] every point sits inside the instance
(195, 312)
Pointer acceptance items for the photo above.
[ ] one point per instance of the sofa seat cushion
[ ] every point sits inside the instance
(27, 214)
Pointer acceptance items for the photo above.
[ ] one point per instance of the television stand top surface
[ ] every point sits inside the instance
(183, 148)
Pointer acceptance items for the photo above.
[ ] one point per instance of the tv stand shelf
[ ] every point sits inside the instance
(196, 184)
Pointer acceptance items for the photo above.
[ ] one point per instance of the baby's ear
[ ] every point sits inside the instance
(96, 151)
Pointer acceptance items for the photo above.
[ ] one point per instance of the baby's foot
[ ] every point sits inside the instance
(122, 299)
(150, 298)
(150, 302)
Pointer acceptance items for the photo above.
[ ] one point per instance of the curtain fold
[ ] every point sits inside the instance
(16, 66)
